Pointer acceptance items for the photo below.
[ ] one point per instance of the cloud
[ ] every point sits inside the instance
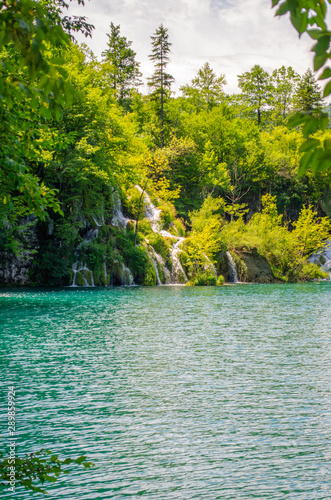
(232, 35)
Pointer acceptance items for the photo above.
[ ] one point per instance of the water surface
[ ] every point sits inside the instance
(174, 392)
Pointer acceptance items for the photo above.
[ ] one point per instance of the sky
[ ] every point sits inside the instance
(232, 35)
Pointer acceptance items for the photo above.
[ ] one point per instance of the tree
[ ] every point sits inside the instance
(256, 89)
(33, 88)
(120, 67)
(309, 16)
(308, 97)
(284, 81)
(206, 89)
(160, 81)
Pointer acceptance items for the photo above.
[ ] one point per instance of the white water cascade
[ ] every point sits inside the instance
(178, 274)
(323, 258)
(152, 213)
(232, 268)
(119, 218)
(83, 269)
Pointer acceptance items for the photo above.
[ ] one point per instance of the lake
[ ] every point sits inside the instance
(173, 392)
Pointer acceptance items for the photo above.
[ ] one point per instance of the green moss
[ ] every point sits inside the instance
(150, 276)
(161, 245)
(79, 279)
(161, 272)
(88, 275)
(241, 267)
(180, 227)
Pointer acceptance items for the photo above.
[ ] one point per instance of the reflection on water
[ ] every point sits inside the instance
(174, 392)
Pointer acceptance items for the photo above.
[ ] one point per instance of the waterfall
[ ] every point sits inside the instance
(178, 274)
(90, 235)
(158, 259)
(105, 270)
(118, 218)
(152, 213)
(81, 269)
(232, 269)
(323, 258)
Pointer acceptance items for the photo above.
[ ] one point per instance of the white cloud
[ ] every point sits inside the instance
(232, 35)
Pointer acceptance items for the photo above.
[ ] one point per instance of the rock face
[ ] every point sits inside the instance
(257, 270)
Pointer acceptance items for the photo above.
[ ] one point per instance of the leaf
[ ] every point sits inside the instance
(308, 145)
(322, 45)
(327, 89)
(315, 34)
(326, 74)
(81, 459)
(304, 163)
(311, 125)
(319, 60)
(282, 9)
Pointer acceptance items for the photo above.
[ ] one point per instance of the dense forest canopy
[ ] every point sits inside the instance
(75, 132)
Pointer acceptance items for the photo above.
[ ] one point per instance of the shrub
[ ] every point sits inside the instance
(202, 279)
(220, 280)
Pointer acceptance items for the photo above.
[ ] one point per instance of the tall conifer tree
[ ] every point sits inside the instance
(160, 81)
(122, 71)
(308, 96)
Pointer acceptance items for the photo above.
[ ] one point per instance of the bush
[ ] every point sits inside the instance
(220, 280)
(203, 280)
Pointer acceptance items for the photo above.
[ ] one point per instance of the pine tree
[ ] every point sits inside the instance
(308, 96)
(120, 67)
(160, 81)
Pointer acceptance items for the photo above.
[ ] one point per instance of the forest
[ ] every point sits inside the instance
(102, 183)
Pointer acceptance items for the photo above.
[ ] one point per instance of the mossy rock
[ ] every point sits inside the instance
(161, 272)
(150, 276)
(79, 279)
(179, 225)
(88, 275)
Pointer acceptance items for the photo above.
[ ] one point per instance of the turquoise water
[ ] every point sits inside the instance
(174, 392)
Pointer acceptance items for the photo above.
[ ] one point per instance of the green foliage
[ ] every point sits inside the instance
(120, 69)
(287, 251)
(161, 245)
(310, 16)
(220, 280)
(206, 89)
(203, 279)
(35, 468)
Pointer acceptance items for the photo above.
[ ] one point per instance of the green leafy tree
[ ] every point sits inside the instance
(310, 16)
(120, 68)
(256, 89)
(206, 89)
(161, 81)
(284, 82)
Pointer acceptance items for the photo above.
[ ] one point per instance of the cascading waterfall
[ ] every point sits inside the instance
(152, 213)
(232, 268)
(83, 269)
(159, 261)
(323, 258)
(119, 218)
(178, 274)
